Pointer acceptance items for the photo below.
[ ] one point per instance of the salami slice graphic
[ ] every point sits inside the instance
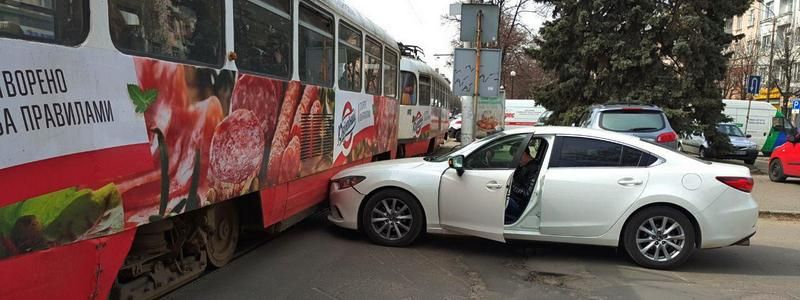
(236, 149)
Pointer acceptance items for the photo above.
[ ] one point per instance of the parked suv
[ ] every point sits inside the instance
(743, 147)
(645, 121)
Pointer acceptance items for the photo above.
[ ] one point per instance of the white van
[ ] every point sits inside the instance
(522, 113)
(761, 114)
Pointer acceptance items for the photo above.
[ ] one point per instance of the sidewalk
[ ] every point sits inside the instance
(774, 199)
(777, 198)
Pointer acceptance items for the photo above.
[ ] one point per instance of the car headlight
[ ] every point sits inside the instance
(752, 146)
(348, 181)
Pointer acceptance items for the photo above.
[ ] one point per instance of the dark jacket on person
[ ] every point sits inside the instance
(523, 183)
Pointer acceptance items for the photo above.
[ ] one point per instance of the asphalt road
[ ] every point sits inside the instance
(315, 260)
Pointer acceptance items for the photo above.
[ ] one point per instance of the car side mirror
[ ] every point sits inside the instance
(696, 133)
(748, 136)
(457, 162)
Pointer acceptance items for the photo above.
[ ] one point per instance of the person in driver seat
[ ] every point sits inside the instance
(522, 185)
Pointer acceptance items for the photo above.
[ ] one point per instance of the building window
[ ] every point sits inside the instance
(263, 36)
(349, 58)
(786, 6)
(796, 72)
(752, 18)
(738, 23)
(767, 9)
(315, 46)
(183, 31)
(765, 42)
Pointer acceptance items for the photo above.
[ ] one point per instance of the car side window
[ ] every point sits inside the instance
(635, 158)
(574, 152)
(500, 154)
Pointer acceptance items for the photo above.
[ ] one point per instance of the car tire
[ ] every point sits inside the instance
(776, 171)
(750, 161)
(646, 236)
(392, 218)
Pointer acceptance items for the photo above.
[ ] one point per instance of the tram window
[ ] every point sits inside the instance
(184, 30)
(316, 46)
(434, 92)
(409, 85)
(263, 36)
(349, 58)
(424, 90)
(372, 72)
(389, 73)
(50, 21)
(439, 98)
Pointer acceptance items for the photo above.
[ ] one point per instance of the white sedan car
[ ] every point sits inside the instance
(585, 187)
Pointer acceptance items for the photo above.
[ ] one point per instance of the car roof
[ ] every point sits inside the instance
(613, 106)
(563, 130)
(593, 133)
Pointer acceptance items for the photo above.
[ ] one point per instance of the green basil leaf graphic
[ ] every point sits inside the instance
(141, 99)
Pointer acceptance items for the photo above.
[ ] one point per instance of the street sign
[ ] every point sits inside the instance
(796, 104)
(753, 84)
(464, 72)
(489, 22)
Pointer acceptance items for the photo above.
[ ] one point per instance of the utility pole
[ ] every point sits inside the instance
(468, 109)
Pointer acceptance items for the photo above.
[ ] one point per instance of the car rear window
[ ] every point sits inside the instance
(730, 130)
(632, 120)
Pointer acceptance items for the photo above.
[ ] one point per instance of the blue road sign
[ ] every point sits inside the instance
(753, 84)
(796, 104)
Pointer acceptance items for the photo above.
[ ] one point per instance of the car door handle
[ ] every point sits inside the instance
(493, 185)
(629, 182)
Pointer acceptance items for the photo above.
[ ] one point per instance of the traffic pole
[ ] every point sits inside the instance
(476, 96)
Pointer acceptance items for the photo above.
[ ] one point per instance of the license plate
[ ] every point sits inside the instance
(741, 152)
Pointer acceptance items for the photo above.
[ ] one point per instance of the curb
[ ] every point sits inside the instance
(779, 215)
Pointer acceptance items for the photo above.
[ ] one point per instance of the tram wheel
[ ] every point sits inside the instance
(223, 233)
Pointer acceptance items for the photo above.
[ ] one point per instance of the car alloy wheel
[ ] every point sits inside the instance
(392, 218)
(659, 237)
(776, 171)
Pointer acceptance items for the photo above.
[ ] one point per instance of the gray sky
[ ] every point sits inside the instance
(419, 22)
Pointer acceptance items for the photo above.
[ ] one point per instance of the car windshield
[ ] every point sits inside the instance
(446, 156)
(730, 130)
(632, 120)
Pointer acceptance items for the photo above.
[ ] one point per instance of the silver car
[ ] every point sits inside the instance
(743, 148)
(644, 121)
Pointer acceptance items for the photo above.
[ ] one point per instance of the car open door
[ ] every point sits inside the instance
(474, 202)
